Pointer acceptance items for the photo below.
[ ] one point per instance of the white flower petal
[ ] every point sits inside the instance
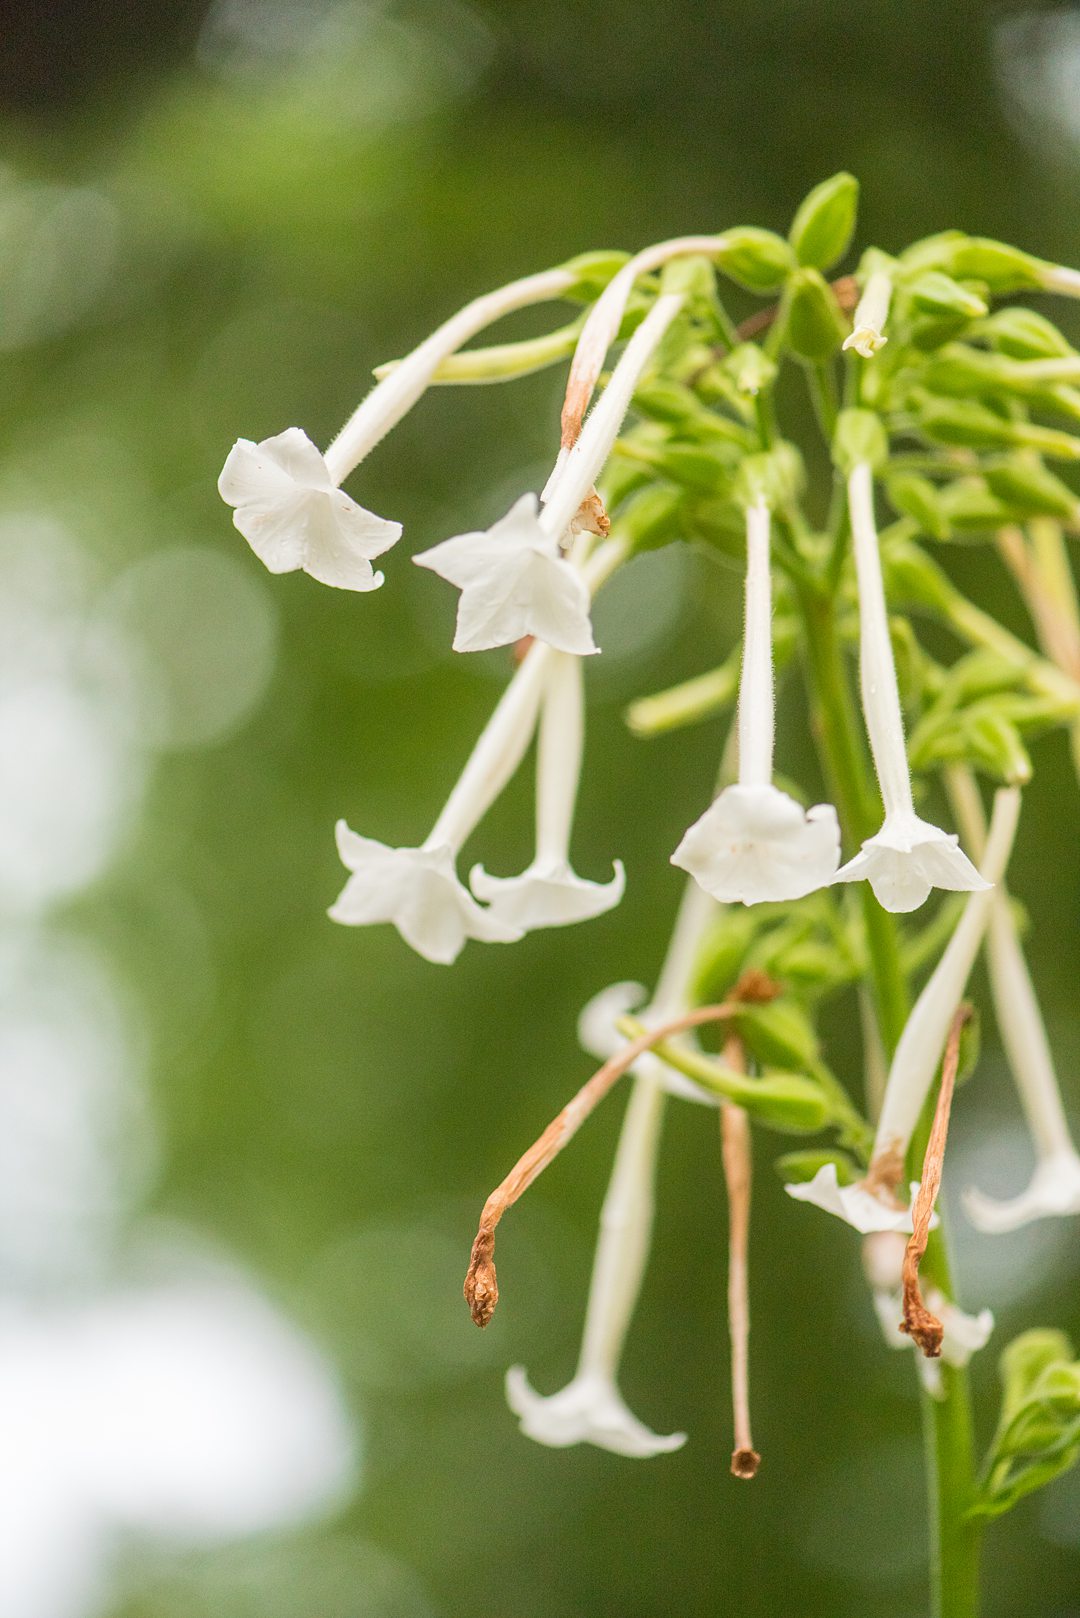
(865, 340)
(1054, 1191)
(755, 844)
(513, 583)
(417, 889)
(857, 1206)
(548, 894)
(906, 859)
(598, 1034)
(963, 1334)
(589, 1410)
(293, 515)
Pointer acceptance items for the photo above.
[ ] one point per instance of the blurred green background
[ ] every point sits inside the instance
(244, 1150)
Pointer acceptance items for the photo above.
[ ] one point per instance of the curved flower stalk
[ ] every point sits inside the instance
(418, 889)
(515, 578)
(590, 1409)
(872, 1204)
(908, 856)
(754, 843)
(867, 336)
(1054, 1188)
(550, 893)
(287, 499)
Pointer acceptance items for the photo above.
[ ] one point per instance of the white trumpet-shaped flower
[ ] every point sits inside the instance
(590, 1409)
(919, 1050)
(549, 893)
(293, 515)
(866, 1210)
(417, 889)
(515, 578)
(908, 856)
(1054, 1188)
(754, 843)
(867, 336)
(963, 1334)
(287, 499)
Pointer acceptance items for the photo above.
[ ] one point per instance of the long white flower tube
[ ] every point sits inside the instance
(755, 843)
(549, 893)
(604, 319)
(867, 336)
(515, 578)
(872, 1205)
(1054, 1188)
(590, 1409)
(287, 499)
(417, 889)
(908, 856)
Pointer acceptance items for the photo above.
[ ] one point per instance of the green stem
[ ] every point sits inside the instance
(950, 1466)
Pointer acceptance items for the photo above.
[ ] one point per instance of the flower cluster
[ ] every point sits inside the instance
(680, 438)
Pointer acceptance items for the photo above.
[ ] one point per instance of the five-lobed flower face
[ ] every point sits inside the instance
(418, 890)
(863, 1208)
(1052, 1192)
(906, 859)
(294, 516)
(548, 894)
(755, 845)
(589, 1410)
(514, 581)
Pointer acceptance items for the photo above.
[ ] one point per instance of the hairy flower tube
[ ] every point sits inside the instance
(754, 843)
(515, 578)
(871, 1204)
(549, 893)
(590, 1409)
(908, 857)
(287, 497)
(1054, 1188)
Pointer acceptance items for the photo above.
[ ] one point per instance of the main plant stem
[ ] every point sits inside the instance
(947, 1425)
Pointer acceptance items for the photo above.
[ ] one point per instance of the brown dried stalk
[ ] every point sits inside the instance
(738, 1169)
(918, 1322)
(481, 1284)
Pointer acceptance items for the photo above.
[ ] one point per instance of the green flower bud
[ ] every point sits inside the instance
(916, 497)
(1029, 490)
(968, 504)
(798, 1168)
(783, 1101)
(693, 276)
(814, 327)
(776, 476)
(1027, 1357)
(860, 436)
(995, 745)
(750, 369)
(824, 223)
(758, 260)
(1024, 335)
(778, 1034)
(722, 953)
(960, 422)
(669, 402)
(911, 576)
(933, 293)
(592, 272)
(1003, 268)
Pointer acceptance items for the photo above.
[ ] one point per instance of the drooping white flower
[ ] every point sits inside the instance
(549, 893)
(919, 1050)
(589, 1410)
(1054, 1188)
(908, 856)
(293, 515)
(868, 334)
(963, 1335)
(514, 581)
(418, 890)
(755, 843)
(287, 499)
(515, 578)
(865, 1210)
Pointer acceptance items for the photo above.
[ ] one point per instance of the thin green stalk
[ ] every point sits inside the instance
(949, 1440)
